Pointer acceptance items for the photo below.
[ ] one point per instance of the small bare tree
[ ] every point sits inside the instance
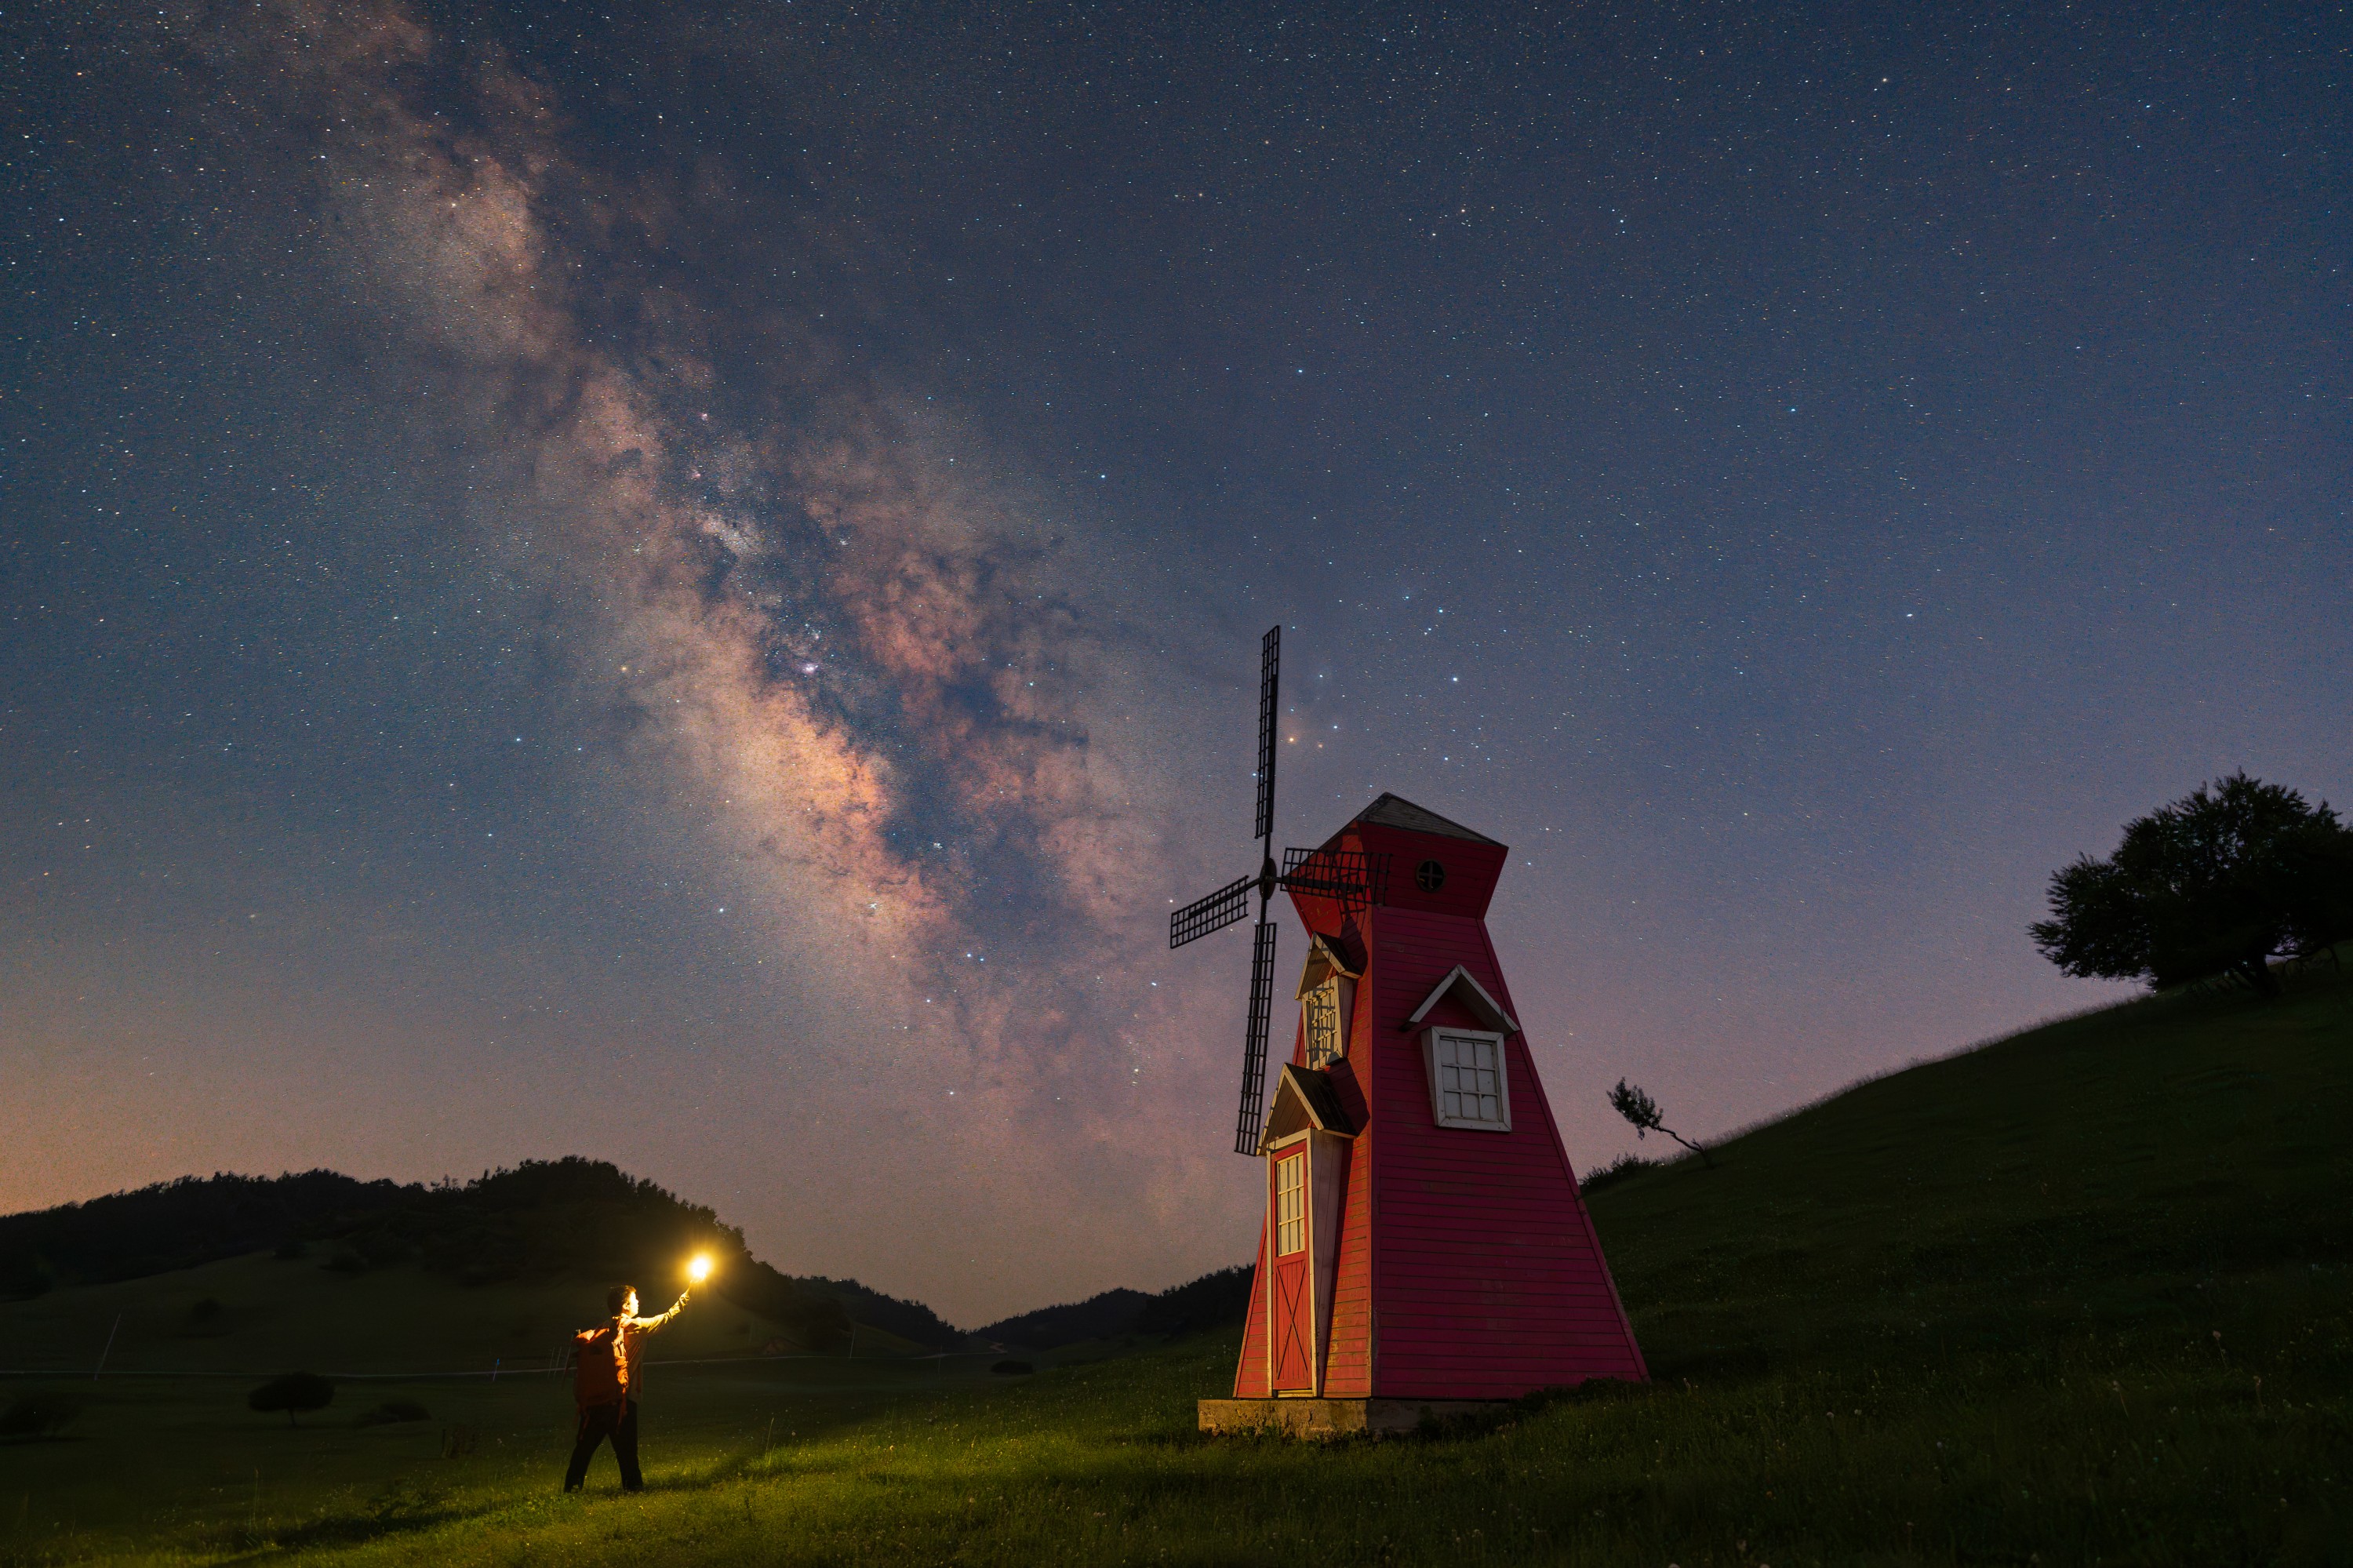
(295, 1391)
(1629, 1101)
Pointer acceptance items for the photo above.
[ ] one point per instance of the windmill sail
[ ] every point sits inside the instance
(1215, 913)
(1352, 878)
(1269, 665)
(1261, 1004)
(1349, 881)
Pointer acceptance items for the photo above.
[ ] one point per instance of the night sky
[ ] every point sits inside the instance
(682, 583)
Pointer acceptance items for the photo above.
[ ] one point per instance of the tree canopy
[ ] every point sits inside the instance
(2217, 884)
(295, 1391)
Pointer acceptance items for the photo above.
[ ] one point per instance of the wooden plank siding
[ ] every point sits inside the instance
(1491, 1281)
(1467, 1266)
(1251, 1374)
(1348, 1367)
(1349, 1360)
(1623, 1325)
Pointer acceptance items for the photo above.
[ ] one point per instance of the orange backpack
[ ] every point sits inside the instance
(595, 1374)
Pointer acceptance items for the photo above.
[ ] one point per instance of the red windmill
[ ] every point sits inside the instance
(1424, 1247)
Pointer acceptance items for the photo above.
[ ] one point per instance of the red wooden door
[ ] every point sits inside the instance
(1292, 1302)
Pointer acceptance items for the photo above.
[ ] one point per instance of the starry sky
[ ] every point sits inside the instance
(681, 582)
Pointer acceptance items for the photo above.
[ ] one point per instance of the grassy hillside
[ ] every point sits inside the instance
(2145, 1170)
(2081, 1296)
(262, 1315)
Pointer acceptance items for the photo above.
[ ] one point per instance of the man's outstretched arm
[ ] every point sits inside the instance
(648, 1325)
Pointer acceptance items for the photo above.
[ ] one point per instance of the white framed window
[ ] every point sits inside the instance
(1468, 1087)
(1291, 1202)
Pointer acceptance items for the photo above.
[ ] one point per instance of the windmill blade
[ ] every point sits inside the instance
(1215, 913)
(1352, 878)
(1269, 667)
(1261, 1002)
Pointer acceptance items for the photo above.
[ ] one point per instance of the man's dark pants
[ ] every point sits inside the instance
(619, 1421)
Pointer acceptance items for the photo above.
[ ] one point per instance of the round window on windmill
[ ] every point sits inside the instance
(1429, 877)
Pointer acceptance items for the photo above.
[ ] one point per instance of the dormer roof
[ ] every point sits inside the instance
(1325, 957)
(1472, 996)
(1304, 1099)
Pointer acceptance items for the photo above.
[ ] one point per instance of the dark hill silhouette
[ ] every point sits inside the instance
(542, 1219)
(562, 1218)
(179, 1224)
(911, 1320)
(1214, 1300)
(1101, 1317)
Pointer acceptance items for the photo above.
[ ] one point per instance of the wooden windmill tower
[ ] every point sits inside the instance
(1424, 1247)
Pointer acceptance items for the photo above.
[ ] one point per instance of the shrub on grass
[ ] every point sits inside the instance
(1617, 1171)
(294, 1392)
(43, 1413)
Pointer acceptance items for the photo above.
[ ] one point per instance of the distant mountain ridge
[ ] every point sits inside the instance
(570, 1218)
(180, 1224)
(561, 1219)
(1101, 1316)
(911, 1320)
(1214, 1300)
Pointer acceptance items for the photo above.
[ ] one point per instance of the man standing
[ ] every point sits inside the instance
(604, 1383)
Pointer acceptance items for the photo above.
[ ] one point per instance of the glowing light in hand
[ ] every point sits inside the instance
(699, 1270)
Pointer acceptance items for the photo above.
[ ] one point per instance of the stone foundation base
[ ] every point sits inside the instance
(1334, 1417)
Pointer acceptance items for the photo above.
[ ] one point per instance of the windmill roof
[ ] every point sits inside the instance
(1397, 812)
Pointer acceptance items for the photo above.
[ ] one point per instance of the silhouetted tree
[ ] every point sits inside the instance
(2219, 883)
(293, 1391)
(1629, 1101)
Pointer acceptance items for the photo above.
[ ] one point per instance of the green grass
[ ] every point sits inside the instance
(2084, 1295)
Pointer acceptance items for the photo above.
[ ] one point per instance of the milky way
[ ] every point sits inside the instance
(685, 589)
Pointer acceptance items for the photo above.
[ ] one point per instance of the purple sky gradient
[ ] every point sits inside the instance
(688, 592)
